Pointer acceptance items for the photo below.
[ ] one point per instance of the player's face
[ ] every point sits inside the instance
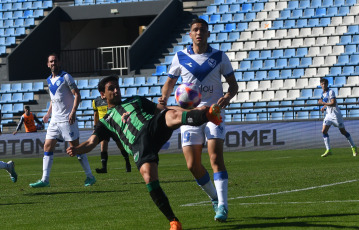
(27, 112)
(53, 63)
(199, 34)
(112, 93)
(324, 86)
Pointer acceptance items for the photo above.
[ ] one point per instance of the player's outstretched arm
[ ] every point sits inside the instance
(84, 147)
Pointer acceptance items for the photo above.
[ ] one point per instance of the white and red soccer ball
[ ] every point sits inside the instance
(188, 95)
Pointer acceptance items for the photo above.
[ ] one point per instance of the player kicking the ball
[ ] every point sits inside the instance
(332, 117)
(143, 127)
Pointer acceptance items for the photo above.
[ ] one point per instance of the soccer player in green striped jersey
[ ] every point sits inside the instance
(142, 127)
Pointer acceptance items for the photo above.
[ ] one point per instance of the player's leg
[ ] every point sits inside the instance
(149, 172)
(326, 139)
(125, 156)
(194, 117)
(90, 179)
(220, 176)
(350, 140)
(10, 168)
(104, 157)
(47, 161)
(192, 154)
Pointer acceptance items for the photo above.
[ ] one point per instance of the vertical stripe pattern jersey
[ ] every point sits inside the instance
(125, 128)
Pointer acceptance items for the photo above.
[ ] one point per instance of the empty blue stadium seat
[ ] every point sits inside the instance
(18, 107)
(176, 49)
(348, 70)
(256, 64)
(93, 82)
(130, 92)
(152, 80)
(229, 27)
(128, 81)
(276, 115)
(16, 97)
(214, 18)
(293, 4)
(155, 91)
(38, 86)
(306, 94)
(28, 96)
(139, 81)
(160, 70)
(246, 7)
(95, 93)
(143, 90)
(82, 84)
(85, 93)
(226, 46)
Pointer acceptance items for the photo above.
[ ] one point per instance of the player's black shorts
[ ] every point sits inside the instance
(153, 136)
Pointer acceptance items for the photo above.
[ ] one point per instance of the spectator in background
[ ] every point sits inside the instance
(99, 106)
(29, 119)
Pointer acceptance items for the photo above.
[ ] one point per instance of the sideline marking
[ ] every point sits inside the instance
(277, 193)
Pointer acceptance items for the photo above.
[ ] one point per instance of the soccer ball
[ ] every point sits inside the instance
(188, 95)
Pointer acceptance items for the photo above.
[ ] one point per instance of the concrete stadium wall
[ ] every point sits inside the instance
(28, 59)
(243, 137)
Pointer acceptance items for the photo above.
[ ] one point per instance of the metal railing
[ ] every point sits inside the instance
(98, 60)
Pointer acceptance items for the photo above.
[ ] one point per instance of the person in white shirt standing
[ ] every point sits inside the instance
(333, 117)
(203, 65)
(65, 99)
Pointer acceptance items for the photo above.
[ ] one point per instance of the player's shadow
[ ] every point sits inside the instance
(18, 203)
(72, 192)
(232, 223)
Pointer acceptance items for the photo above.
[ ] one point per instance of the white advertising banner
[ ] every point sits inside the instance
(242, 137)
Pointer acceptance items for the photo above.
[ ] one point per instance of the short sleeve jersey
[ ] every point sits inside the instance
(61, 96)
(204, 70)
(100, 105)
(326, 97)
(140, 110)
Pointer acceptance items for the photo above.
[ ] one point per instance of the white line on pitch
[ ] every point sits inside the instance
(277, 193)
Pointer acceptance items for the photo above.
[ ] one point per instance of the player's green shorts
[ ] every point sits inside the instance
(153, 136)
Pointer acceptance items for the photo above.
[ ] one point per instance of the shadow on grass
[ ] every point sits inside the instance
(74, 192)
(19, 203)
(231, 223)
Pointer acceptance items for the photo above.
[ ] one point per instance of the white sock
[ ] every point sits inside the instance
(3, 165)
(326, 141)
(47, 165)
(206, 184)
(350, 140)
(85, 164)
(221, 182)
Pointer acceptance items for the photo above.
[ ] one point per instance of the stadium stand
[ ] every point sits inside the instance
(279, 50)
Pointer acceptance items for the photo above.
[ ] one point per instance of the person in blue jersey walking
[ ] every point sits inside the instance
(65, 99)
(333, 117)
(204, 66)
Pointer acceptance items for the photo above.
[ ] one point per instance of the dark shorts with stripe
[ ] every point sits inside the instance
(153, 136)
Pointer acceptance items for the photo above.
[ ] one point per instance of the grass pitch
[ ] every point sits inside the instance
(292, 189)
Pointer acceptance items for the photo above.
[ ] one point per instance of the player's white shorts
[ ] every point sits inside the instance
(63, 131)
(337, 121)
(196, 135)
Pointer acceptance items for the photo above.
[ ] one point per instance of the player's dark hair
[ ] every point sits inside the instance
(53, 54)
(104, 81)
(199, 20)
(324, 80)
(27, 107)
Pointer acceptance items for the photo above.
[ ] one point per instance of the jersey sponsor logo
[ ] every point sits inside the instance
(71, 134)
(136, 156)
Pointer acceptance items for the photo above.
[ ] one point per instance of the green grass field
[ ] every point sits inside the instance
(294, 189)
